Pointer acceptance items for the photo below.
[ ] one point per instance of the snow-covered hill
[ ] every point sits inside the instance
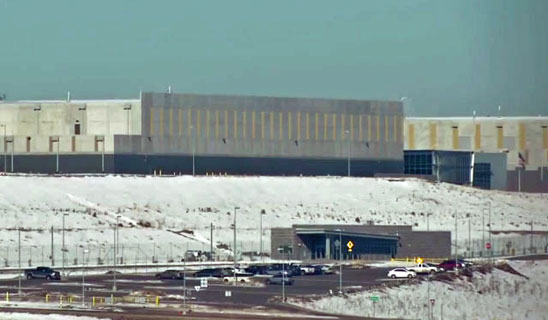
(152, 208)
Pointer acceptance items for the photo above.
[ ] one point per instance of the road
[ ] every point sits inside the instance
(261, 298)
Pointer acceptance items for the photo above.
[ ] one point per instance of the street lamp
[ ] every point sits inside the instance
(340, 260)
(4, 147)
(115, 254)
(83, 277)
(63, 249)
(234, 271)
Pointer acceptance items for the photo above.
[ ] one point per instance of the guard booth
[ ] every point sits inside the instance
(340, 244)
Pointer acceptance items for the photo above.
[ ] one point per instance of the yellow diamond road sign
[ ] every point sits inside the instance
(350, 245)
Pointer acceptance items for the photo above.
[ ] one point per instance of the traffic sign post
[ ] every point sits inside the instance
(488, 245)
(350, 245)
(374, 299)
(203, 282)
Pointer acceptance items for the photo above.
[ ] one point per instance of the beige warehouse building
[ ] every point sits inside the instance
(517, 136)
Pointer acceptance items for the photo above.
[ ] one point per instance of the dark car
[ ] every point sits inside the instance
(207, 273)
(279, 279)
(450, 265)
(170, 274)
(257, 269)
(42, 273)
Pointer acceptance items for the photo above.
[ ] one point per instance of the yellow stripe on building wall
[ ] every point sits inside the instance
(180, 121)
(360, 126)
(171, 122)
(281, 125)
(455, 135)
(334, 126)
(189, 122)
(271, 125)
(545, 137)
(151, 121)
(343, 131)
(325, 116)
(253, 125)
(207, 123)
(198, 123)
(386, 128)
(316, 126)
(235, 123)
(161, 121)
(262, 125)
(226, 124)
(378, 120)
(477, 137)
(369, 130)
(351, 127)
(411, 136)
(433, 136)
(522, 136)
(289, 126)
(307, 126)
(298, 126)
(500, 137)
(244, 124)
(216, 124)
(396, 122)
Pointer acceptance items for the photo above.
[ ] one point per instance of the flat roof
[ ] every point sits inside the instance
(307, 231)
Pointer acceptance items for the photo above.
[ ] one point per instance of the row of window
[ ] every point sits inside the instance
(274, 125)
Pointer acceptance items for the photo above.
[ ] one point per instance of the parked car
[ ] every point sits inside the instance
(424, 268)
(309, 269)
(325, 269)
(450, 265)
(279, 279)
(42, 273)
(401, 273)
(260, 269)
(207, 273)
(240, 277)
(277, 269)
(170, 274)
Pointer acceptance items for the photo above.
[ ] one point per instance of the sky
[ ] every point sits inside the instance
(448, 57)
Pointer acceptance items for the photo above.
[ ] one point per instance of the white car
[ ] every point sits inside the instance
(308, 269)
(401, 273)
(242, 277)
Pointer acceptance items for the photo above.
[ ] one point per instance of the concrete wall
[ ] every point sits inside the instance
(45, 127)
(267, 127)
(514, 135)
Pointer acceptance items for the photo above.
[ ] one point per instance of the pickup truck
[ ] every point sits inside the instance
(424, 268)
(42, 273)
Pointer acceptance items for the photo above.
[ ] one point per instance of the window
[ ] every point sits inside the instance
(482, 175)
(77, 128)
(418, 163)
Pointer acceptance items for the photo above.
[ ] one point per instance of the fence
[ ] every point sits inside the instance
(128, 253)
(503, 246)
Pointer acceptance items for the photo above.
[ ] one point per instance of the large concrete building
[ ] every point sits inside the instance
(523, 139)
(186, 133)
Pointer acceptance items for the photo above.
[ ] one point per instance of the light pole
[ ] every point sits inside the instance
(261, 234)
(4, 147)
(234, 271)
(115, 253)
(19, 271)
(84, 277)
(348, 151)
(193, 150)
(63, 249)
(340, 261)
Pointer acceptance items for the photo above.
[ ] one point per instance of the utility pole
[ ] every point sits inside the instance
(261, 235)
(456, 245)
(84, 277)
(235, 260)
(482, 230)
(211, 240)
(490, 244)
(115, 253)
(184, 279)
(340, 260)
(52, 251)
(64, 249)
(19, 271)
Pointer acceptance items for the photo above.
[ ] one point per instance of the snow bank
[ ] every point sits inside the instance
(497, 295)
(152, 208)
(29, 316)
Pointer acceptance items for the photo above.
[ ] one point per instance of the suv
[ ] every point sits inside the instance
(279, 279)
(170, 274)
(206, 273)
(42, 273)
(450, 265)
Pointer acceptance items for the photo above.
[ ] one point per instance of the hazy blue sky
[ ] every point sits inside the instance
(448, 56)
